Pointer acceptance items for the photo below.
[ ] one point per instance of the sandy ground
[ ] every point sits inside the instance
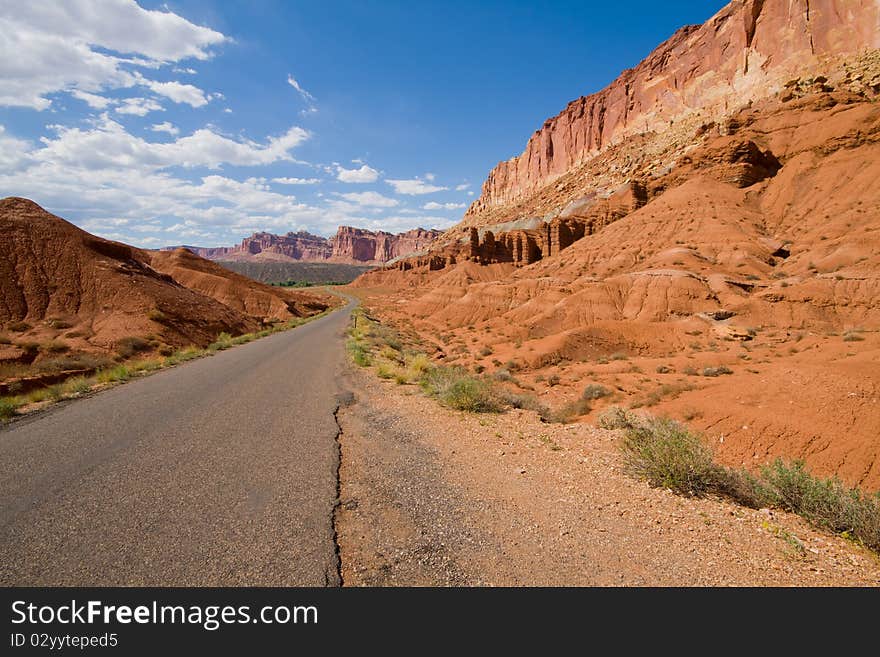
(437, 497)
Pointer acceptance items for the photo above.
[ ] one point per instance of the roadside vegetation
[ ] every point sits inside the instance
(667, 454)
(371, 344)
(137, 358)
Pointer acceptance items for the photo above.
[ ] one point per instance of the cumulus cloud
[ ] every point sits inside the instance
(176, 91)
(89, 46)
(432, 205)
(296, 181)
(462, 187)
(139, 106)
(370, 199)
(94, 101)
(165, 126)
(108, 144)
(365, 174)
(415, 186)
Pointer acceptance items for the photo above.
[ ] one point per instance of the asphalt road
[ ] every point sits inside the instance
(221, 471)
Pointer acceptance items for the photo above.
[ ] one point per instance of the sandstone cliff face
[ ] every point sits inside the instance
(350, 246)
(747, 51)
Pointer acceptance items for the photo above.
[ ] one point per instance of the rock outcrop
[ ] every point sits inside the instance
(63, 285)
(355, 246)
(747, 51)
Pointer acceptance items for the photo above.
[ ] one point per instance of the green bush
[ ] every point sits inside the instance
(358, 353)
(826, 503)
(7, 409)
(455, 388)
(667, 455)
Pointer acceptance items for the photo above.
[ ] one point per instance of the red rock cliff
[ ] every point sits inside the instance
(748, 50)
(349, 245)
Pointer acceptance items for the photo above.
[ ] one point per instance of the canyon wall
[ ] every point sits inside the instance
(748, 50)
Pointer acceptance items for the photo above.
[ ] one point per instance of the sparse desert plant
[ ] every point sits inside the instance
(8, 409)
(131, 345)
(223, 341)
(667, 455)
(76, 386)
(455, 388)
(54, 347)
(18, 327)
(114, 374)
(717, 371)
(569, 412)
(595, 391)
(663, 369)
(553, 380)
(359, 353)
(57, 323)
(619, 356)
(485, 351)
(619, 418)
(852, 336)
(502, 375)
(418, 363)
(156, 315)
(690, 371)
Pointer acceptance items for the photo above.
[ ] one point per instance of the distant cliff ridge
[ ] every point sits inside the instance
(349, 246)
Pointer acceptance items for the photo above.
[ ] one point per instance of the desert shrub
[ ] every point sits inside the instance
(418, 364)
(569, 412)
(131, 345)
(852, 336)
(485, 351)
(113, 374)
(619, 418)
(619, 356)
(667, 455)
(553, 380)
(76, 386)
(19, 327)
(826, 503)
(391, 354)
(358, 353)
(73, 361)
(57, 323)
(156, 315)
(663, 369)
(7, 409)
(717, 371)
(386, 370)
(54, 347)
(527, 402)
(479, 369)
(595, 391)
(223, 341)
(502, 375)
(455, 388)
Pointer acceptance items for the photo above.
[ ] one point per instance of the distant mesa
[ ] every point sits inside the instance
(354, 246)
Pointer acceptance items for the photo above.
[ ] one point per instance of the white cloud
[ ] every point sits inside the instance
(462, 187)
(108, 144)
(88, 45)
(370, 199)
(365, 174)
(470, 193)
(176, 91)
(430, 176)
(166, 126)
(296, 85)
(139, 106)
(296, 181)
(414, 187)
(92, 100)
(432, 205)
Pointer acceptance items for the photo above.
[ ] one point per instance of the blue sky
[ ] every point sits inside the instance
(201, 121)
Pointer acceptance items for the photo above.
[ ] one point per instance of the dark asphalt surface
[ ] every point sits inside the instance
(221, 471)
